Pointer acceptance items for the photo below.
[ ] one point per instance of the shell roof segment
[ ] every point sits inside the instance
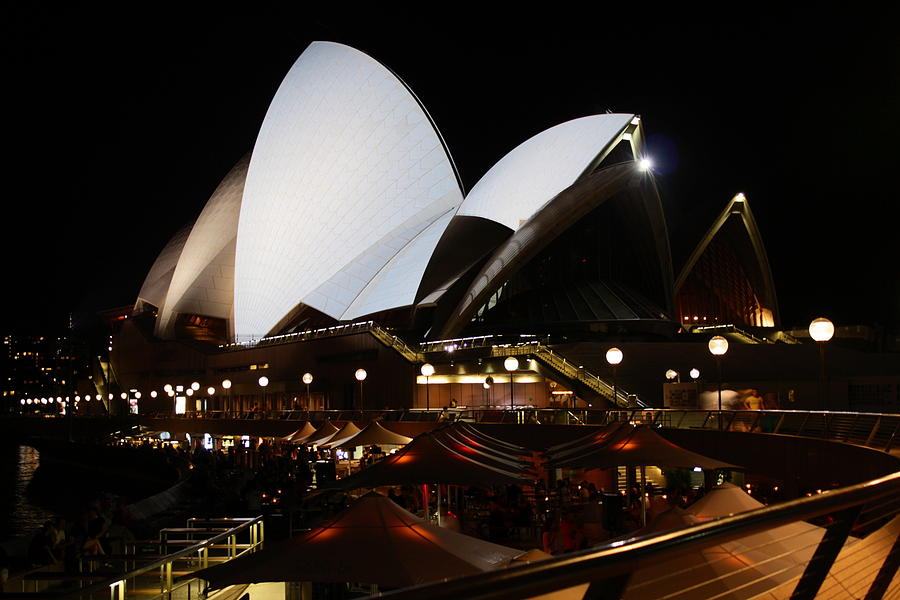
(345, 155)
(539, 168)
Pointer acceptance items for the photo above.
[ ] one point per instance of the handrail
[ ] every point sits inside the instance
(117, 581)
(618, 559)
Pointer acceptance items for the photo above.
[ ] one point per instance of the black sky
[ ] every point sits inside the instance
(118, 126)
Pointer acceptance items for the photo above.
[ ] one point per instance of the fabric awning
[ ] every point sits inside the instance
(299, 436)
(373, 541)
(639, 446)
(372, 434)
(342, 435)
(324, 433)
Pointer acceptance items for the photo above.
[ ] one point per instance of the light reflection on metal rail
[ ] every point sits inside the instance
(607, 569)
(118, 586)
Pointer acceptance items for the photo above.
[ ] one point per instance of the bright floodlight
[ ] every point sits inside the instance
(307, 378)
(671, 374)
(427, 370)
(210, 391)
(614, 356)
(511, 363)
(718, 345)
(645, 164)
(195, 386)
(821, 329)
(263, 381)
(226, 384)
(695, 373)
(361, 374)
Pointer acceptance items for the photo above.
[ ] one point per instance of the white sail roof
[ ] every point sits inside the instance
(156, 283)
(203, 281)
(347, 171)
(541, 167)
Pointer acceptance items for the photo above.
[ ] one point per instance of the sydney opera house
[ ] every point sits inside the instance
(349, 213)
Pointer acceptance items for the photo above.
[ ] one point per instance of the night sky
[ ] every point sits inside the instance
(118, 126)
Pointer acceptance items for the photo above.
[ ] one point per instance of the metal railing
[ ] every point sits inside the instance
(578, 373)
(157, 572)
(607, 570)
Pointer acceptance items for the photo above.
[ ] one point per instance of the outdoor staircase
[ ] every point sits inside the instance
(556, 362)
(394, 342)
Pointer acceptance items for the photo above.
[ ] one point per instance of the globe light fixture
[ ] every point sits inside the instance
(614, 357)
(263, 381)
(718, 346)
(210, 391)
(511, 364)
(226, 384)
(167, 388)
(137, 395)
(195, 386)
(153, 394)
(360, 377)
(695, 373)
(123, 396)
(821, 330)
(427, 370)
(189, 391)
(307, 379)
(671, 374)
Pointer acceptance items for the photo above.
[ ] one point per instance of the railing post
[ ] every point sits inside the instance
(874, 431)
(885, 573)
(827, 551)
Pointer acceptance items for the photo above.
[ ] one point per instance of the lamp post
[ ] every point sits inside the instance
(427, 370)
(307, 379)
(614, 356)
(360, 377)
(671, 375)
(263, 382)
(718, 346)
(210, 393)
(821, 330)
(488, 382)
(226, 385)
(695, 374)
(511, 364)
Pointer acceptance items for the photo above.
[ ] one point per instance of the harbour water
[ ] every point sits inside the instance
(18, 515)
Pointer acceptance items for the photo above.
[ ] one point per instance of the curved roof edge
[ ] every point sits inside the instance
(156, 283)
(568, 207)
(535, 171)
(738, 206)
(203, 280)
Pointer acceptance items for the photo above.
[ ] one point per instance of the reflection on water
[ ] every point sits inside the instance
(17, 515)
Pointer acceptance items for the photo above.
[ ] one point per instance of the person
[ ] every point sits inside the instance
(40, 550)
(571, 536)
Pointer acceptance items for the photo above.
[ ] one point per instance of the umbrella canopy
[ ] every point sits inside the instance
(373, 541)
(641, 446)
(587, 444)
(723, 500)
(373, 433)
(322, 434)
(572, 593)
(458, 440)
(299, 436)
(476, 436)
(345, 433)
(429, 459)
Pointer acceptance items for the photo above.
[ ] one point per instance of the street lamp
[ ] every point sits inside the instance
(511, 364)
(226, 385)
(671, 374)
(718, 346)
(263, 382)
(614, 356)
(360, 377)
(695, 374)
(427, 370)
(307, 379)
(195, 386)
(821, 330)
